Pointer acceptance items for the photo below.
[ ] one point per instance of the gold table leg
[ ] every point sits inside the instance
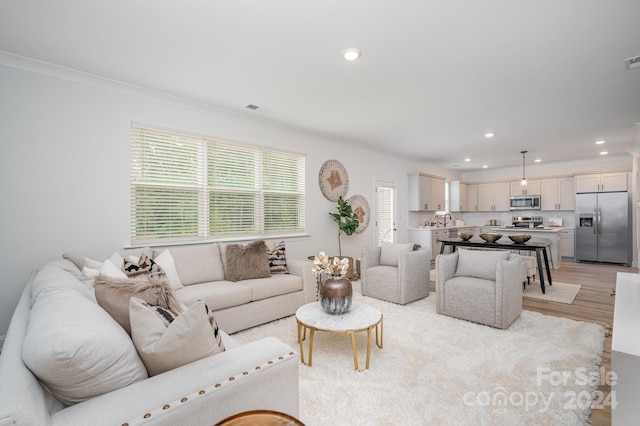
(302, 334)
(311, 333)
(381, 343)
(353, 347)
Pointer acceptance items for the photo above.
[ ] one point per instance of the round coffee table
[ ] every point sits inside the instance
(360, 317)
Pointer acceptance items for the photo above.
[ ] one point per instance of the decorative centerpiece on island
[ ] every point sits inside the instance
(335, 290)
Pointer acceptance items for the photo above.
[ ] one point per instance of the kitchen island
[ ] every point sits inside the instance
(427, 236)
(552, 234)
(538, 245)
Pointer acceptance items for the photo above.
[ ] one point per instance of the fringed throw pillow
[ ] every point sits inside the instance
(113, 295)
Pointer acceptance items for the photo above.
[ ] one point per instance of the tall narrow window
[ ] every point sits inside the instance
(193, 188)
(385, 208)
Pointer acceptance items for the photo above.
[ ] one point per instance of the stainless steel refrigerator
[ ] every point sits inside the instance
(603, 231)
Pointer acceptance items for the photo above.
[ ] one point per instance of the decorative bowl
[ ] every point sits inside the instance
(465, 236)
(520, 238)
(490, 237)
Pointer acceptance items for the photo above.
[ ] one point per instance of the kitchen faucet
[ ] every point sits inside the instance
(444, 219)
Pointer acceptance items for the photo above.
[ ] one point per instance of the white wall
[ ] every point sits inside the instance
(64, 168)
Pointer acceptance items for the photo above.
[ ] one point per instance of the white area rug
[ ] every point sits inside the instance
(558, 292)
(439, 370)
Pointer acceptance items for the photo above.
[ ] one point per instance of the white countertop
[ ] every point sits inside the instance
(433, 228)
(528, 230)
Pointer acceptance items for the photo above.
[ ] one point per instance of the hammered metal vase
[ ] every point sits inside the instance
(335, 295)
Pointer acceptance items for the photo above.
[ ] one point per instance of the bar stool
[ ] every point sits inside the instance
(531, 266)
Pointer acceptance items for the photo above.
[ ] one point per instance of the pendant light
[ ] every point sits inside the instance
(524, 179)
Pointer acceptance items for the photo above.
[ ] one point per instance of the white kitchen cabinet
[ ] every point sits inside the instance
(427, 237)
(472, 197)
(493, 196)
(567, 242)
(435, 245)
(531, 188)
(604, 182)
(557, 194)
(625, 351)
(426, 193)
(458, 197)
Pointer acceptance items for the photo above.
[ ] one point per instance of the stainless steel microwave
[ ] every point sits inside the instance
(525, 202)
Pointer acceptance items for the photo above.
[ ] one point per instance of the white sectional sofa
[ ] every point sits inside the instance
(59, 324)
(242, 304)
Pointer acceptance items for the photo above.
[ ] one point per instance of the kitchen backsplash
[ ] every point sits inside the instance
(505, 218)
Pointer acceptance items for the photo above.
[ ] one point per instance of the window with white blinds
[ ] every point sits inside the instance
(192, 188)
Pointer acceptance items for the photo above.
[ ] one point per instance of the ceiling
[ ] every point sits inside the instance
(546, 76)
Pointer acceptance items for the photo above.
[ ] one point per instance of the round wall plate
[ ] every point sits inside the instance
(360, 207)
(333, 180)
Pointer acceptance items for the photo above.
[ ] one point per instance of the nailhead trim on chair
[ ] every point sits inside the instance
(173, 405)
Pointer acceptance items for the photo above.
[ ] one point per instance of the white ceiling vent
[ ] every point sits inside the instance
(632, 63)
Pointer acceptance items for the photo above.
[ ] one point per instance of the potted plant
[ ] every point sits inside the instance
(347, 222)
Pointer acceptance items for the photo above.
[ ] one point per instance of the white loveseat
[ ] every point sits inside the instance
(259, 375)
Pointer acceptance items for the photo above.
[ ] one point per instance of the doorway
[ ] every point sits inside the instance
(385, 213)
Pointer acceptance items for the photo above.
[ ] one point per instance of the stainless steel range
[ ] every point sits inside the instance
(526, 221)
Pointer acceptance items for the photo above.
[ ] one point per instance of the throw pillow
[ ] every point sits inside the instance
(76, 350)
(390, 252)
(113, 295)
(168, 264)
(166, 341)
(278, 259)
(142, 265)
(479, 263)
(247, 262)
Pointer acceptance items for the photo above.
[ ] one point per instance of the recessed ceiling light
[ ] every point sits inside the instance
(467, 159)
(484, 166)
(537, 160)
(599, 142)
(252, 106)
(604, 153)
(351, 54)
(489, 135)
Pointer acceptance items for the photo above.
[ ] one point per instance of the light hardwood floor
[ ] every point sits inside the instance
(594, 303)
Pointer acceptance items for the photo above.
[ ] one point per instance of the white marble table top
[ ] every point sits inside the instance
(359, 317)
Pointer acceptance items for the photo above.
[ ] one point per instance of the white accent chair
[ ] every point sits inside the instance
(480, 286)
(395, 272)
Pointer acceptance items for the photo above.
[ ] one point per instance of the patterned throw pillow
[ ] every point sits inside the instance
(166, 341)
(278, 259)
(144, 265)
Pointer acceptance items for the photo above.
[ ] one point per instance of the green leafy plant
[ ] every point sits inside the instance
(346, 219)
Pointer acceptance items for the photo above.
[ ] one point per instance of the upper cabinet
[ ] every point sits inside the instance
(459, 197)
(493, 197)
(531, 188)
(472, 197)
(557, 194)
(604, 182)
(426, 192)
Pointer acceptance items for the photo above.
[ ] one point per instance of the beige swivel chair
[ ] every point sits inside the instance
(395, 272)
(481, 286)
